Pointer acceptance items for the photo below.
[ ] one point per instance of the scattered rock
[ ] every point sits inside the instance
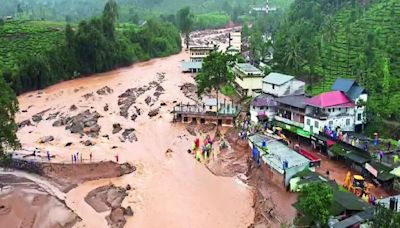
(160, 88)
(128, 211)
(168, 153)
(128, 187)
(76, 90)
(39, 116)
(189, 90)
(24, 111)
(116, 128)
(83, 123)
(114, 147)
(154, 112)
(73, 108)
(105, 90)
(138, 111)
(163, 104)
(191, 129)
(106, 136)
(87, 143)
(157, 95)
(116, 219)
(52, 116)
(129, 135)
(88, 95)
(133, 117)
(46, 139)
(174, 102)
(147, 100)
(68, 144)
(24, 123)
(106, 108)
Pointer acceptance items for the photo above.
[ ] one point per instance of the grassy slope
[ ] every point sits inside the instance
(27, 37)
(378, 17)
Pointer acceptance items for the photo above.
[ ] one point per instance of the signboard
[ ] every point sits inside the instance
(371, 169)
(303, 133)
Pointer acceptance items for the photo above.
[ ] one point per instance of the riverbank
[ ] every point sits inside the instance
(167, 191)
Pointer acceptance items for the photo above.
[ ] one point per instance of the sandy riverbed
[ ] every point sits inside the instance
(169, 191)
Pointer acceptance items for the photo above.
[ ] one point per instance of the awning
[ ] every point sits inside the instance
(357, 158)
(330, 143)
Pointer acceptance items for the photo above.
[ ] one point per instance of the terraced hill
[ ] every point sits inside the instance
(377, 31)
(19, 38)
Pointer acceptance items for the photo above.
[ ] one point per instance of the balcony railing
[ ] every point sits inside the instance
(200, 111)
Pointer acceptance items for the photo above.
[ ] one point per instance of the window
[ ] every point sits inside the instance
(340, 109)
(210, 107)
(308, 122)
(261, 108)
(316, 124)
(347, 122)
(359, 116)
(273, 86)
(254, 107)
(329, 110)
(330, 123)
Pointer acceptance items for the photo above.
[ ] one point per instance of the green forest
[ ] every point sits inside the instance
(39, 54)
(321, 40)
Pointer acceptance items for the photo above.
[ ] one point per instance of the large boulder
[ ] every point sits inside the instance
(24, 123)
(46, 139)
(116, 128)
(154, 112)
(129, 135)
(105, 90)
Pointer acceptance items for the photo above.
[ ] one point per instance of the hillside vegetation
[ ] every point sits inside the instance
(39, 54)
(323, 40)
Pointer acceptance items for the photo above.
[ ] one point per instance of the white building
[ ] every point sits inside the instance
(331, 109)
(263, 108)
(248, 79)
(281, 85)
(357, 94)
(197, 54)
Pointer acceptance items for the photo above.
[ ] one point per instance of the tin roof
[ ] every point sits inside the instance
(277, 78)
(248, 68)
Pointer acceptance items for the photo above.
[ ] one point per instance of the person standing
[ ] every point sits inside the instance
(389, 145)
(48, 155)
(90, 156)
(117, 158)
(72, 159)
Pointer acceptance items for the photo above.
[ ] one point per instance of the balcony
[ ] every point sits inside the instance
(318, 115)
(287, 121)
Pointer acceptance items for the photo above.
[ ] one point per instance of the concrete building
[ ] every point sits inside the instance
(263, 108)
(209, 111)
(331, 109)
(199, 53)
(291, 110)
(356, 93)
(248, 79)
(235, 42)
(196, 56)
(281, 85)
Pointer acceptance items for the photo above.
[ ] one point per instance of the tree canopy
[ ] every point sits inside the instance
(384, 217)
(8, 128)
(315, 200)
(185, 23)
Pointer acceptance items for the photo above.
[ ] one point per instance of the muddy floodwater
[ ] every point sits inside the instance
(168, 191)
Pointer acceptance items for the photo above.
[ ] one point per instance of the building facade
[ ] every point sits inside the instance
(281, 85)
(248, 79)
(331, 109)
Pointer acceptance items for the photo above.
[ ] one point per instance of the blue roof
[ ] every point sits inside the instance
(349, 87)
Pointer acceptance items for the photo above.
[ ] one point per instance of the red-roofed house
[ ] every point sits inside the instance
(332, 109)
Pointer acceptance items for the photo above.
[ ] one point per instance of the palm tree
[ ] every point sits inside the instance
(330, 37)
(292, 57)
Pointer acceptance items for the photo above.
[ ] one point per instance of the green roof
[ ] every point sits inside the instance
(383, 171)
(357, 157)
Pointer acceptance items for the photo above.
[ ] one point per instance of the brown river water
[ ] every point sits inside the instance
(169, 191)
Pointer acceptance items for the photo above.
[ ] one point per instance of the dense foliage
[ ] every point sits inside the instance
(215, 73)
(315, 200)
(76, 10)
(384, 217)
(322, 40)
(8, 128)
(95, 45)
